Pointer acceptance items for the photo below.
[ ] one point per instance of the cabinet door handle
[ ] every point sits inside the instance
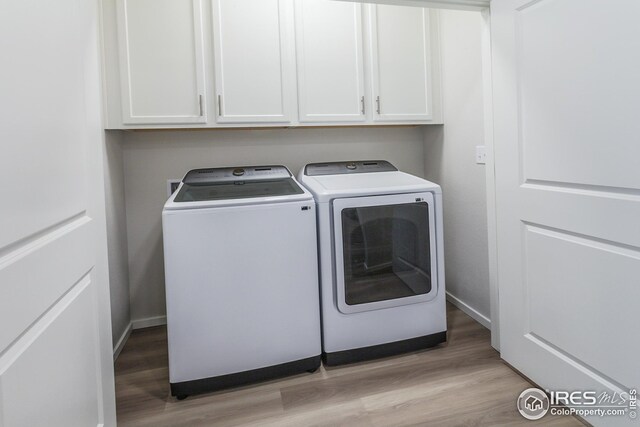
(220, 105)
(200, 105)
(378, 104)
(362, 105)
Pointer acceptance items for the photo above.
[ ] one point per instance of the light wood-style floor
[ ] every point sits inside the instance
(461, 383)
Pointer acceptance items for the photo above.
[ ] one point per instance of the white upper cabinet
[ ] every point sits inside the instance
(269, 63)
(330, 61)
(400, 63)
(253, 60)
(161, 61)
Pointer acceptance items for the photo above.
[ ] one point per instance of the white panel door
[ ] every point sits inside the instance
(254, 60)
(56, 362)
(566, 90)
(330, 61)
(400, 63)
(161, 61)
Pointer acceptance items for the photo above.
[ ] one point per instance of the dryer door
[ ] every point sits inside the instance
(385, 251)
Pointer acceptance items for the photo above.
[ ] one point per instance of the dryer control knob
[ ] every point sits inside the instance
(238, 172)
(351, 166)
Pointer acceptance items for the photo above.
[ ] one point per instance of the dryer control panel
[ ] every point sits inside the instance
(340, 168)
(232, 174)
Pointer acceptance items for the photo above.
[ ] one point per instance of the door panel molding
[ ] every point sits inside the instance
(577, 78)
(51, 232)
(584, 189)
(567, 291)
(576, 363)
(31, 376)
(58, 258)
(582, 211)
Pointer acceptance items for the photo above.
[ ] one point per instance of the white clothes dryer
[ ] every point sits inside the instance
(241, 278)
(381, 259)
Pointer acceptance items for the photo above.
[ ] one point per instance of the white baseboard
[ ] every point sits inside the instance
(122, 341)
(149, 322)
(470, 311)
(136, 324)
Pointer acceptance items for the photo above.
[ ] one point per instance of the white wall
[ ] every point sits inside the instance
(116, 236)
(450, 161)
(152, 157)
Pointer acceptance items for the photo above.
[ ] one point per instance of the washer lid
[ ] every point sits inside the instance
(341, 168)
(232, 186)
(326, 187)
(238, 173)
(231, 190)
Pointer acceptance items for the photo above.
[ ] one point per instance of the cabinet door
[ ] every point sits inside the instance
(330, 61)
(400, 60)
(161, 60)
(254, 64)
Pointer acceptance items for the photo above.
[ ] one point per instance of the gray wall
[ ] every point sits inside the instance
(152, 157)
(450, 161)
(116, 235)
(139, 163)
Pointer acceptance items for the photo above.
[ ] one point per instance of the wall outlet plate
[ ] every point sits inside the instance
(481, 154)
(172, 186)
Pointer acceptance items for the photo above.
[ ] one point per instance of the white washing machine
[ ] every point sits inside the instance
(241, 278)
(381, 260)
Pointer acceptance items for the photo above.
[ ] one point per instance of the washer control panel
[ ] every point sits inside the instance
(240, 173)
(339, 168)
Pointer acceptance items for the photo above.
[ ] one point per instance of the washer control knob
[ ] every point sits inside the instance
(238, 172)
(351, 166)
